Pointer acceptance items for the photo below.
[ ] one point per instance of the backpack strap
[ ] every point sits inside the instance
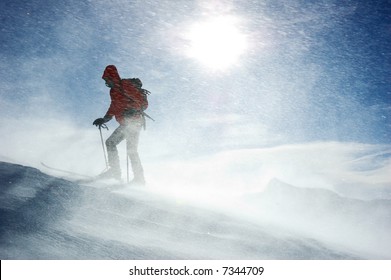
(124, 93)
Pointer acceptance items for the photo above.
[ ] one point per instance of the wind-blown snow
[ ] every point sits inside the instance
(44, 217)
(316, 200)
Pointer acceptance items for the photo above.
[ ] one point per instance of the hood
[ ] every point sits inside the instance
(112, 73)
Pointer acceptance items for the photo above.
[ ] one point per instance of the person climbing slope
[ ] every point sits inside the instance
(128, 102)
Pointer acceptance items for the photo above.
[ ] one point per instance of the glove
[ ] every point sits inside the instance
(100, 121)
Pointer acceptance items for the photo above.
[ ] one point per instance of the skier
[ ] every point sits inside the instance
(128, 102)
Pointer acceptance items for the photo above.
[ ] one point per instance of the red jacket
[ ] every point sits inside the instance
(124, 96)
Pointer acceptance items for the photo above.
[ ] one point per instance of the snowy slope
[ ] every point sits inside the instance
(43, 217)
(361, 225)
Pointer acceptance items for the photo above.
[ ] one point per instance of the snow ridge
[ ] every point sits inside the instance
(44, 217)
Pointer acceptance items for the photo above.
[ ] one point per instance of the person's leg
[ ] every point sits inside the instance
(112, 153)
(132, 140)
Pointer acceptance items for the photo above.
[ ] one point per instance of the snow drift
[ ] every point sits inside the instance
(44, 217)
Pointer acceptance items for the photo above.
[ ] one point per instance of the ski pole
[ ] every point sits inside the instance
(127, 168)
(103, 144)
(127, 162)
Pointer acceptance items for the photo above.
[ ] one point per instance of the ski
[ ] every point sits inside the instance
(87, 177)
(87, 180)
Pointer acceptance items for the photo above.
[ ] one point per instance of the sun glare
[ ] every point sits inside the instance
(217, 43)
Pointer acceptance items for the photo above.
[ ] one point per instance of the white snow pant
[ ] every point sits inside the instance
(129, 131)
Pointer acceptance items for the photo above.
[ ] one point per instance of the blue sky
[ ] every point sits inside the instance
(311, 70)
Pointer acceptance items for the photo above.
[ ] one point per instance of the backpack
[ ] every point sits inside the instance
(139, 101)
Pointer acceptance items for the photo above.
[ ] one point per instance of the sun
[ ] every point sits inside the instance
(216, 43)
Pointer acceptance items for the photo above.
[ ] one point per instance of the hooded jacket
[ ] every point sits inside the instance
(124, 96)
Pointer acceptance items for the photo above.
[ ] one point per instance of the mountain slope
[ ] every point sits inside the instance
(43, 217)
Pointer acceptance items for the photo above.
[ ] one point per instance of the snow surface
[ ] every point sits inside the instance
(45, 217)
